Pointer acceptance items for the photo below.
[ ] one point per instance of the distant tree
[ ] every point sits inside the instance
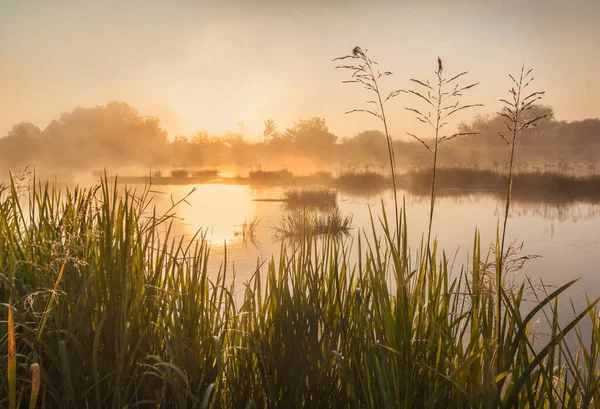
(581, 133)
(25, 130)
(106, 134)
(367, 145)
(23, 145)
(487, 128)
(311, 136)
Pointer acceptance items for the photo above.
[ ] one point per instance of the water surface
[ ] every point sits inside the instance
(565, 236)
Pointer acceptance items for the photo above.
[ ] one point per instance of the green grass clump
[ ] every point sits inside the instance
(302, 223)
(323, 199)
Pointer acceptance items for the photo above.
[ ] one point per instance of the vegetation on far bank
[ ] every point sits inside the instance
(529, 185)
(117, 136)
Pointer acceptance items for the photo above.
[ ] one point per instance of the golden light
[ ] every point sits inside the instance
(218, 209)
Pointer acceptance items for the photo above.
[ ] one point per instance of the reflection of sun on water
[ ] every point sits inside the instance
(218, 209)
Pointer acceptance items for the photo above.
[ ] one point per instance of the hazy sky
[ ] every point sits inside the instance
(210, 65)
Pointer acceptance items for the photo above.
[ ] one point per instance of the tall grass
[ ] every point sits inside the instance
(118, 313)
(112, 311)
(302, 223)
(442, 101)
(365, 72)
(323, 199)
(516, 112)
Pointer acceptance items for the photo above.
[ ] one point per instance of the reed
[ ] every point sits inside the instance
(117, 312)
(302, 223)
(517, 114)
(247, 231)
(442, 101)
(365, 72)
(323, 199)
(270, 176)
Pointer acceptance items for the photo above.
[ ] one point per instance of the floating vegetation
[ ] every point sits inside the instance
(306, 223)
(322, 199)
(270, 176)
(206, 173)
(362, 183)
(180, 173)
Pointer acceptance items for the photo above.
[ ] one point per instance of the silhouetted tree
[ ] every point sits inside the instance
(311, 136)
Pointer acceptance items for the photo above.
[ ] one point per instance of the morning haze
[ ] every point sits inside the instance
(209, 65)
(278, 204)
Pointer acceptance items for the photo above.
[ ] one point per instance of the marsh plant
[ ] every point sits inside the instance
(442, 100)
(142, 321)
(322, 198)
(306, 222)
(247, 231)
(365, 72)
(517, 112)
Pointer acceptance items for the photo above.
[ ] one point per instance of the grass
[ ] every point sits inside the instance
(137, 318)
(302, 223)
(442, 102)
(206, 173)
(517, 120)
(323, 199)
(361, 183)
(534, 186)
(180, 173)
(248, 231)
(270, 176)
(365, 73)
(184, 173)
(112, 311)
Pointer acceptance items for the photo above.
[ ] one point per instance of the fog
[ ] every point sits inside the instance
(118, 138)
(209, 65)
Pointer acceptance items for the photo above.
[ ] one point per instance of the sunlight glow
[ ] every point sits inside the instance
(218, 209)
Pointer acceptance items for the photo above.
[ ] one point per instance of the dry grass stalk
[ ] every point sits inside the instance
(365, 72)
(442, 99)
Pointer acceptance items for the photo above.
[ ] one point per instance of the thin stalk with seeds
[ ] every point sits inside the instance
(442, 102)
(365, 73)
(518, 117)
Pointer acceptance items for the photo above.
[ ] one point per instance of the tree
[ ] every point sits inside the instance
(25, 130)
(114, 133)
(311, 136)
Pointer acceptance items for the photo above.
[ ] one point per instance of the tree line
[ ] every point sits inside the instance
(117, 135)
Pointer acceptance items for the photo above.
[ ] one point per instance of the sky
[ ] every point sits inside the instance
(220, 66)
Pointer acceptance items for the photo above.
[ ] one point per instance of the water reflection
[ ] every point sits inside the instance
(566, 236)
(220, 209)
